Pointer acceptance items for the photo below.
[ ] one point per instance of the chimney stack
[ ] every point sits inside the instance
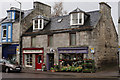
(44, 9)
(105, 8)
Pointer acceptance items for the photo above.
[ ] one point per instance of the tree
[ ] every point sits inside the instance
(58, 9)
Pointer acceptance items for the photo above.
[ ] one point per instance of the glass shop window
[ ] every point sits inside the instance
(29, 60)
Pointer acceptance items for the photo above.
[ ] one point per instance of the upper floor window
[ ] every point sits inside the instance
(50, 40)
(38, 24)
(9, 32)
(33, 41)
(72, 39)
(11, 15)
(77, 19)
(4, 31)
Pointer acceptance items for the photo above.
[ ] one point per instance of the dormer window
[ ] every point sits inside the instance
(11, 15)
(77, 19)
(38, 24)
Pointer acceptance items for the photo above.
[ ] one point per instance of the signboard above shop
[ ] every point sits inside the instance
(73, 50)
(92, 50)
(33, 50)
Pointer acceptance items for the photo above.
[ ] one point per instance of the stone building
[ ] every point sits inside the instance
(10, 28)
(78, 35)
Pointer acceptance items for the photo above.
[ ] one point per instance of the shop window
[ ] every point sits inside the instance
(33, 41)
(71, 59)
(4, 31)
(50, 40)
(28, 60)
(77, 18)
(72, 38)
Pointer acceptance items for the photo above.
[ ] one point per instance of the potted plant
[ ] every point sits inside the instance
(87, 70)
(78, 69)
(52, 69)
(72, 69)
(64, 68)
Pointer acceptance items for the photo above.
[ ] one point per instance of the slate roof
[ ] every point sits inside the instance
(41, 17)
(24, 14)
(77, 10)
(64, 25)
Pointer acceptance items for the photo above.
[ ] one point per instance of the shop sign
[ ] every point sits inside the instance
(73, 51)
(17, 49)
(119, 48)
(92, 50)
(33, 51)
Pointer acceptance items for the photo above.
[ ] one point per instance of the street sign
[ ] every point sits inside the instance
(17, 49)
(119, 48)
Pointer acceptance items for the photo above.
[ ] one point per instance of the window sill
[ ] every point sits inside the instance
(76, 24)
(27, 66)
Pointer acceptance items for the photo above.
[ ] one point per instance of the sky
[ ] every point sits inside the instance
(69, 5)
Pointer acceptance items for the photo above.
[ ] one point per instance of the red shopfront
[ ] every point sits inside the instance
(33, 58)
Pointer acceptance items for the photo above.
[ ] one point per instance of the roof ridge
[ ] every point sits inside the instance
(93, 11)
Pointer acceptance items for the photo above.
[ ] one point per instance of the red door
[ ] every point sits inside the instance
(39, 62)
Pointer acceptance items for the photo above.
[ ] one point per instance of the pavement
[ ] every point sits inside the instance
(99, 74)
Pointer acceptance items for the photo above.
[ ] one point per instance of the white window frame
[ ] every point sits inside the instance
(26, 60)
(13, 15)
(9, 15)
(3, 32)
(82, 22)
(9, 32)
(42, 24)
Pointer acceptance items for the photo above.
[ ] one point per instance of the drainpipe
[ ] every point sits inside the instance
(119, 45)
(20, 33)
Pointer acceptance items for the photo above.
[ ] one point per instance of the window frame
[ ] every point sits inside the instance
(13, 15)
(9, 15)
(78, 19)
(42, 24)
(28, 56)
(9, 31)
(71, 39)
(33, 37)
(3, 32)
(49, 41)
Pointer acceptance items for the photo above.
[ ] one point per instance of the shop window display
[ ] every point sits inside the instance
(71, 62)
(29, 60)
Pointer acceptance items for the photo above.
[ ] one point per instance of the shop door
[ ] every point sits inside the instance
(50, 60)
(39, 62)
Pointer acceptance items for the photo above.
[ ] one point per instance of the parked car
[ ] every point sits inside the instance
(9, 65)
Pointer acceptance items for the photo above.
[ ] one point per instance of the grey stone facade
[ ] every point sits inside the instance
(15, 33)
(26, 22)
(103, 38)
